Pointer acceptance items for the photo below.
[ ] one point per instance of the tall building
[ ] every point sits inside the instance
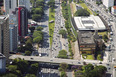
(2, 63)
(12, 4)
(13, 32)
(4, 36)
(108, 3)
(21, 14)
(9, 5)
(26, 3)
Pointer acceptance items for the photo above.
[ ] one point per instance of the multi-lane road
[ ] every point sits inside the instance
(112, 20)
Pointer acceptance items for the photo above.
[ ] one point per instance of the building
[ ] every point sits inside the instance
(21, 14)
(13, 27)
(114, 10)
(86, 42)
(9, 5)
(89, 42)
(12, 4)
(26, 3)
(109, 3)
(89, 23)
(2, 63)
(4, 36)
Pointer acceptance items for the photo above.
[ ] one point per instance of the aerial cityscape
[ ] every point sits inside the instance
(57, 38)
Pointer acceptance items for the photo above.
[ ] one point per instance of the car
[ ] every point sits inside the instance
(111, 33)
(113, 59)
(107, 64)
(111, 39)
(100, 62)
(79, 62)
(31, 58)
(51, 60)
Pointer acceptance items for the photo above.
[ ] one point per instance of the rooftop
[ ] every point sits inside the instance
(89, 23)
(1, 56)
(2, 18)
(86, 37)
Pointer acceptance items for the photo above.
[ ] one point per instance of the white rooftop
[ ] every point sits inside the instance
(89, 23)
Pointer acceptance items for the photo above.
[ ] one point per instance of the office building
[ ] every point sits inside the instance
(12, 4)
(25, 3)
(86, 42)
(4, 36)
(21, 14)
(9, 5)
(2, 63)
(89, 41)
(114, 10)
(108, 3)
(89, 23)
(13, 26)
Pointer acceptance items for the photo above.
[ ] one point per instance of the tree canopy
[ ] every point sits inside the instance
(27, 53)
(81, 12)
(62, 32)
(36, 17)
(39, 28)
(91, 71)
(30, 75)
(62, 54)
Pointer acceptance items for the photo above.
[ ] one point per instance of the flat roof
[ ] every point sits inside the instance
(1, 56)
(89, 23)
(3, 18)
(86, 37)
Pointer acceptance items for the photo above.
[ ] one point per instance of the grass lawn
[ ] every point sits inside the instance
(95, 13)
(73, 7)
(102, 33)
(51, 25)
(90, 57)
(85, 7)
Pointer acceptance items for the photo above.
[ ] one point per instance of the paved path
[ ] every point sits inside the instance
(77, 55)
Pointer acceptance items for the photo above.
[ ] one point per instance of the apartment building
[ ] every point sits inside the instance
(4, 36)
(21, 14)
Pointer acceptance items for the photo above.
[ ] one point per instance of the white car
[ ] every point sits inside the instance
(111, 39)
(111, 33)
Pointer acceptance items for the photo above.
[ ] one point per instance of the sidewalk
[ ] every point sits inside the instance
(105, 57)
(77, 55)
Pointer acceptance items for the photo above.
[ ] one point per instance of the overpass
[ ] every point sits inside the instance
(55, 60)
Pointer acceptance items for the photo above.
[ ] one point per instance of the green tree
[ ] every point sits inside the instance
(51, 3)
(78, 73)
(9, 75)
(32, 29)
(105, 37)
(63, 67)
(62, 54)
(36, 17)
(28, 45)
(63, 74)
(62, 32)
(39, 28)
(37, 33)
(34, 68)
(100, 70)
(12, 68)
(21, 49)
(39, 11)
(27, 53)
(87, 70)
(82, 12)
(37, 39)
(30, 75)
(22, 65)
(40, 3)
